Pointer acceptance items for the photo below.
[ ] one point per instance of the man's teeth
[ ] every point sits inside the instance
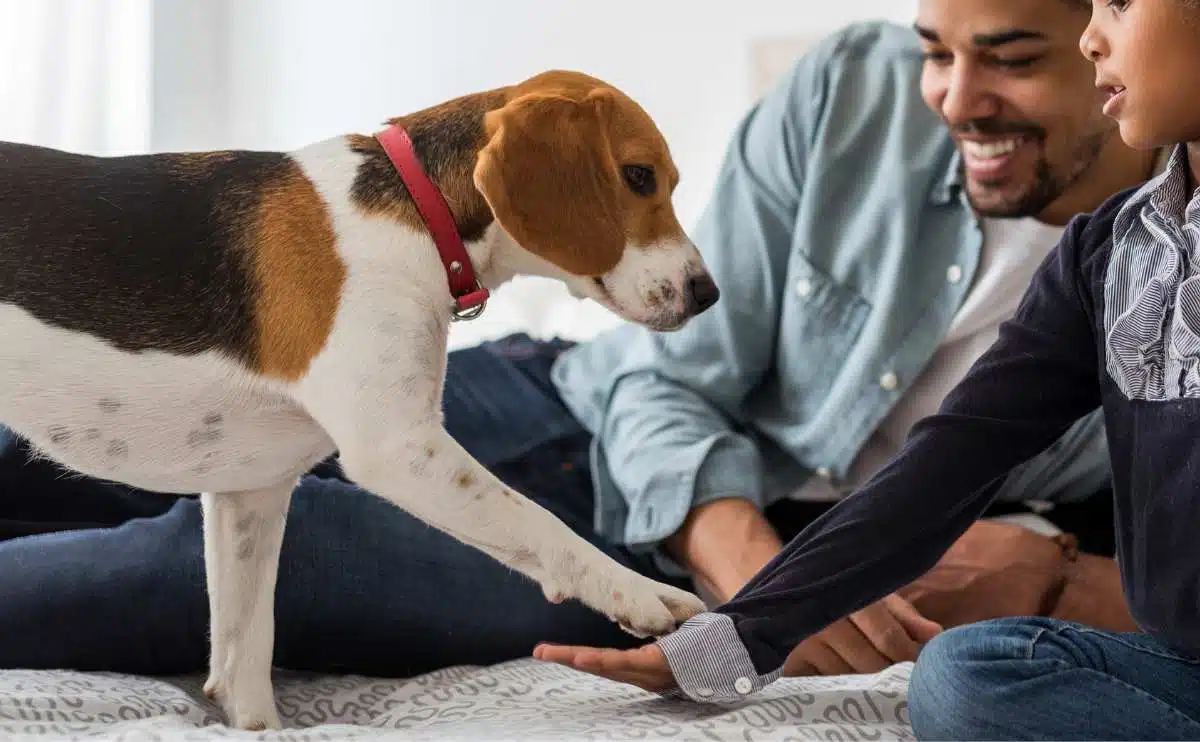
(988, 150)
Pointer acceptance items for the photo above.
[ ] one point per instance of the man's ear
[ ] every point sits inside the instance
(549, 176)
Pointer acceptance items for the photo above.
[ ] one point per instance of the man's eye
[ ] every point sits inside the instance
(1016, 64)
(937, 57)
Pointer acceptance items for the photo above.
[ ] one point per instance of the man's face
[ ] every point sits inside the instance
(1020, 100)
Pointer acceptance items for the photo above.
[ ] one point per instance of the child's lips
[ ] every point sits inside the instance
(1114, 96)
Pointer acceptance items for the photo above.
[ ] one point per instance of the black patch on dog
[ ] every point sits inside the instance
(146, 252)
(446, 138)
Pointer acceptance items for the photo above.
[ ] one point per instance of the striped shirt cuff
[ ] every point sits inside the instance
(710, 662)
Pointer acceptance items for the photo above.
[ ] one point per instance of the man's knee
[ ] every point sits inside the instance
(957, 685)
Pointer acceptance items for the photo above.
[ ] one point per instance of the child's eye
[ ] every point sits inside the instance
(1118, 5)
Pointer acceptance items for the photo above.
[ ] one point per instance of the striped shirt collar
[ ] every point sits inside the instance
(1171, 199)
(1166, 193)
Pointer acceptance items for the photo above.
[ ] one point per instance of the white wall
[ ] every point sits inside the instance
(74, 74)
(299, 70)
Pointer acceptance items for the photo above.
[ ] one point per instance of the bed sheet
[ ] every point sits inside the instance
(522, 701)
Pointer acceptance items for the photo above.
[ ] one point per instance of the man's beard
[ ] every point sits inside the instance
(1048, 185)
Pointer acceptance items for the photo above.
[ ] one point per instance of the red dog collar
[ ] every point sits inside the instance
(470, 297)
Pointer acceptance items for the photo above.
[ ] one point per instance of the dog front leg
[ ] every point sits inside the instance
(427, 473)
(243, 533)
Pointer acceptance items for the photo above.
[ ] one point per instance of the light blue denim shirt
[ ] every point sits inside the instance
(835, 219)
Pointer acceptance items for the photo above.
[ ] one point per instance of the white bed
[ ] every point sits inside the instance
(521, 701)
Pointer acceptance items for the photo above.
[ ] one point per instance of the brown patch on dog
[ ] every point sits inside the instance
(429, 452)
(245, 523)
(464, 479)
(299, 275)
(545, 159)
(200, 165)
(524, 557)
(256, 726)
(446, 139)
(552, 172)
(618, 596)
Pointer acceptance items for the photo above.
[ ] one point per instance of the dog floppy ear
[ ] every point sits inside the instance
(549, 176)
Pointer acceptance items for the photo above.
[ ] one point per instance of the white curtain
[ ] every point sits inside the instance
(75, 74)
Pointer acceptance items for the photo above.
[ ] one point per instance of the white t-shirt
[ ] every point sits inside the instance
(1013, 249)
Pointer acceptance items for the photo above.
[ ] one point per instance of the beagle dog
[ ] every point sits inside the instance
(220, 322)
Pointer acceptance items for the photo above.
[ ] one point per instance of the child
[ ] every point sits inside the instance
(1112, 319)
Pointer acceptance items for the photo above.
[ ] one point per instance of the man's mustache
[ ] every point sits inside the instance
(995, 127)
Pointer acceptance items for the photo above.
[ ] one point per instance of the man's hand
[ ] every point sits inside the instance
(725, 543)
(868, 641)
(646, 667)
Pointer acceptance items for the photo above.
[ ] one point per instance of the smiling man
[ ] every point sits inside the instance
(1024, 114)
(877, 216)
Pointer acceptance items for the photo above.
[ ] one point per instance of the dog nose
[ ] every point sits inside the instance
(702, 293)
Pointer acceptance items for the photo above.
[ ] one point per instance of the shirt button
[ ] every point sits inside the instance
(743, 685)
(954, 274)
(804, 287)
(889, 381)
(823, 472)
(704, 692)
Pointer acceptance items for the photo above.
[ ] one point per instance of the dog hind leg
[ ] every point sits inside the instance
(243, 533)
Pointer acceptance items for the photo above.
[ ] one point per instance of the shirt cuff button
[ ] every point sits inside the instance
(704, 692)
(743, 685)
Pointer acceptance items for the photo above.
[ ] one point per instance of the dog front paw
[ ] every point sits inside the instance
(639, 605)
(653, 609)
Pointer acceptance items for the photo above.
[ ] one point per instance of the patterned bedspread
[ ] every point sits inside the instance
(522, 701)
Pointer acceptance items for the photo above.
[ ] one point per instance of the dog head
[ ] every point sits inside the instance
(579, 176)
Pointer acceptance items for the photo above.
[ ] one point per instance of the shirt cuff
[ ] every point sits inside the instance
(709, 661)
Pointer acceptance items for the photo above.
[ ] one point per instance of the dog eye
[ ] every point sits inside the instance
(640, 179)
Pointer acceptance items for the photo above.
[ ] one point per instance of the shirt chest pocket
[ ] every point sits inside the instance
(820, 323)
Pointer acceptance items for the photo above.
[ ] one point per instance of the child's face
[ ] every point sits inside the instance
(1147, 58)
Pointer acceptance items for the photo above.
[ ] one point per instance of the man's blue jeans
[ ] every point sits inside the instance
(1038, 678)
(363, 587)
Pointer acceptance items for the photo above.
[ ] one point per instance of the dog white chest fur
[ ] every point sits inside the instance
(205, 422)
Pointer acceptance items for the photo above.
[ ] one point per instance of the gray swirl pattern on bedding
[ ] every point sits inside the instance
(523, 700)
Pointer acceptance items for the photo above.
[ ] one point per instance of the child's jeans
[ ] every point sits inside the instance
(1037, 678)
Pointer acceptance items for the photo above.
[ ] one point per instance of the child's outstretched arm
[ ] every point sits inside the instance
(1040, 377)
